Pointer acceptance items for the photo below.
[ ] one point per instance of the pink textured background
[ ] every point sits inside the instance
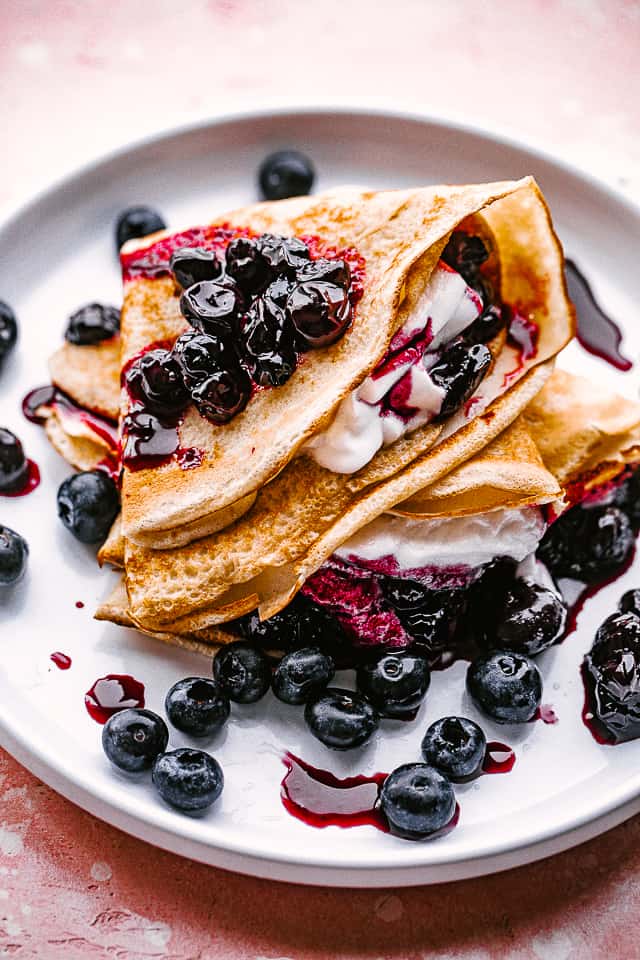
(562, 74)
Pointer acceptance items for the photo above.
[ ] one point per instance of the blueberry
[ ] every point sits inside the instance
(458, 372)
(466, 254)
(278, 291)
(191, 265)
(199, 355)
(426, 615)
(223, 395)
(630, 602)
(529, 619)
(300, 624)
(242, 671)
(456, 747)
(8, 330)
(627, 497)
(417, 801)
(13, 556)
(188, 779)
(92, 324)
(285, 173)
(302, 675)
(13, 464)
(197, 706)
(155, 380)
(269, 344)
(88, 503)
(285, 256)
(247, 266)
(490, 322)
(612, 669)
(341, 719)
(587, 543)
(506, 686)
(395, 683)
(213, 306)
(132, 739)
(320, 311)
(405, 594)
(135, 222)
(330, 271)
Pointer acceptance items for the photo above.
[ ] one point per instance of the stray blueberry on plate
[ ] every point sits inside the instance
(395, 683)
(191, 265)
(8, 330)
(630, 602)
(198, 706)
(243, 671)
(285, 173)
(188, 779)
(456, 747)
(530, 618)
(302, 675)
(92, 324)
(133, 738)
(88, 503)
(135, 222)
(341, 719)
(13, 464)
(13, 556)
(506, 686)
(417, 801)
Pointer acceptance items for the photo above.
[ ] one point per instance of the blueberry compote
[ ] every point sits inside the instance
(611, 675)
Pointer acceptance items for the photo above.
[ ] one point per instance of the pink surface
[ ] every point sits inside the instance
(72, 887)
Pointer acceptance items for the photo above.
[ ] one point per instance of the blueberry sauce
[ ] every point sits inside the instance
(32, 481)
(79, 604)
(49, 396)
(111, 693)
(589, 591)
(498, 758)
(523, 334)
(61, 660)
(597, 332)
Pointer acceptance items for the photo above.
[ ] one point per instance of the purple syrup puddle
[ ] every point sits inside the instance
(498, 758)
(31, 482)
(61, 660)
(589, 717)
(597, 332)
(112, 693)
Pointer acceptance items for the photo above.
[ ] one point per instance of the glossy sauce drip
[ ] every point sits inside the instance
(498, 758)
(148, 441)
(597, 332)
(112, 693)
(102, 426)
(31, 482)
(61, 660)
(523, 334)
(597, 730)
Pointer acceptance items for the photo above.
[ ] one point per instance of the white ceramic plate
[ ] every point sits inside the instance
(58, 253)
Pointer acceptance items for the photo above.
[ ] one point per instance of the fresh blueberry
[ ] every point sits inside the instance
(302, 675)
(284, 255)
(247, 266)
(269, 343)
(612, 674)
(529, 619)
(465, 253)
(506, 686)
(630, 602)
(587, 543)
(133, 738)
(197, 706)
(13, 556)
(213, 306)
(188, 779)
(13, 464)
(155, 380)
(223, 395)
(199, 355)
(92, 324)
(88, 503)
(191, 265)
(341, 719)
(395, 683)
(135, 222)
(456, 747)
(320, 311)
(8, 330)
(243, 671)
(285, 173)
(417, 801)
(458, 372)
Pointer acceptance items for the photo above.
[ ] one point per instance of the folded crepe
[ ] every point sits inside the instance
(399, 236)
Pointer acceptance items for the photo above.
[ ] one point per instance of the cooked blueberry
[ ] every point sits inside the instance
(13, 464)
(155, 380)
(627, 497)
(269, 344)
(395, 683)
(197, 706)
(417, 801)
(458, 372)
(135, 222)
(630, 602)
(341, 719)
(587, 543)
(213, 306)
(13, 556)
(529, 619)
(612, 669)
(88, 503)
(247, 266)
(455, 746)
(488, 324)
(302, 675)
(133, 738)
(222, 395)
(199, 355)
(188, 779)
(300, 624)
(92, 324)
(426, 615)
(284, 255)
(8, 329)
(405, 594)
(191, 265)
(320, 311)
(242, 671)
(506, 686)
(330, 271)
(278, 291)
(285, 173)
(466, 254)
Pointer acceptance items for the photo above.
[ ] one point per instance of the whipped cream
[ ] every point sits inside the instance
(399, 396)
(468, 542)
